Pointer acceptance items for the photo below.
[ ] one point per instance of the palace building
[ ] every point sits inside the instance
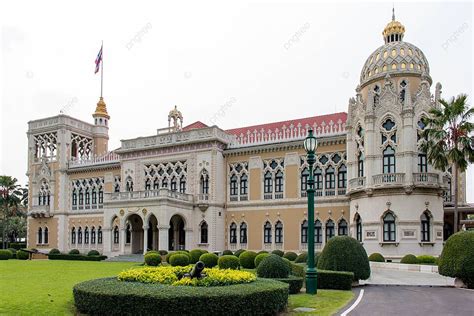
(199, 186)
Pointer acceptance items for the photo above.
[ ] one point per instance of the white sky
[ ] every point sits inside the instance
(203, 55)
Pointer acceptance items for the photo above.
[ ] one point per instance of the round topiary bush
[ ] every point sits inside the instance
(5, 254)
(93, 253)
(273, 266)
(302, 257)
(259, 258)
(228, 262)
(262, 251)
(239, 252)
(278, 252)
(152, 259)
(344, 253)
(54, 251)
(74, 252)
(290, 255)
(376, 257)
(457, 258)
(169, 255)
(409, 259)
(247, 259)
(227, 252)
(426, 259)
(179, 259)
(196, 254)
(22, 255)
(209, 259)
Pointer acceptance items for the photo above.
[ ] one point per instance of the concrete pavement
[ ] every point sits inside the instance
(399, 277)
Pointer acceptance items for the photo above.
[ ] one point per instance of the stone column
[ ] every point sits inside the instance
(122, 241)
(145, 239)
(189, 240)
(106, 240)
(163, 236)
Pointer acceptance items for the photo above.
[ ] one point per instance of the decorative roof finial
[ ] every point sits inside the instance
(393, 12)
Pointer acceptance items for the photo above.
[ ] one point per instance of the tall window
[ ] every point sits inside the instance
(267, 233)
(148, 184)
(93, 235)
(243, 184)
(73, 235)
(204, 183)
(425, 227)
(156, 184)
(233, 185)
(267, 183)
(86, 235)
(116, 234)
(94, 197)
(182, 184)
(342, 228)
(318, 179)
(304, 232)
(360, 165)
(79, 235)
(99, 235)
(304, 179)
(81, 197)
(389, 160)
(330, 178)
(422, 164)
(342, 177)
(403, 85)
(358, 228)
(243, 233)
(46, 235)
(204, 233)
(318, 232)
(40, 235)
(279, 182)
(88, 197)
(128, 234)
(129, 185)
(389, 227)
(174, 184)
(329, 229)
(101, 195)
(117, 187)
(233, 233)
(278, 232)
(74, 197)
(376, 94)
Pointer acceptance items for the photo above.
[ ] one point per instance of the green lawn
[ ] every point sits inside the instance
(44, 287)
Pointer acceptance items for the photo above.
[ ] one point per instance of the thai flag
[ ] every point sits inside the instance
(98, 60)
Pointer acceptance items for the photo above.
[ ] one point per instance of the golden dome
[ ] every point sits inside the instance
(394, 30)
(101, 109)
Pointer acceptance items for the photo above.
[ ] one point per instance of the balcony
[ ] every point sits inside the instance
(425, 179)
(357, 183)
(203, 201)
(39, 211)
(389, 178)
(148, 194)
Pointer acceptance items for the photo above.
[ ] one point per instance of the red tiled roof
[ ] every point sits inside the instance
(195, 125)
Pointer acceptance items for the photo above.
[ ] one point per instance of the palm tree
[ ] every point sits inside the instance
(449, 140)
(11, 197)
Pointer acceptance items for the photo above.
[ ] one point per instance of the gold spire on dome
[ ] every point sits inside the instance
(394, 28)
(101, 109)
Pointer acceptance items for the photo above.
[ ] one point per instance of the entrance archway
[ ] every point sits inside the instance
(135, 223)
(177, 236)
(152, 233)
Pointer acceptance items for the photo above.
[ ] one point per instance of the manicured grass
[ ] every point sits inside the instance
(326, 302)
(44, 287)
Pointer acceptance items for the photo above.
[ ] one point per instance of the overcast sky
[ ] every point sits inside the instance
(260, 61)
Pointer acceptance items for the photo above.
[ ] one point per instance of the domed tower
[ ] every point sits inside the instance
(396, 200)
(101, 128)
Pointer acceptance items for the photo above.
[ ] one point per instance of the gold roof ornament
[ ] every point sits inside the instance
(394, 31)
(101, 109)
(177, 118)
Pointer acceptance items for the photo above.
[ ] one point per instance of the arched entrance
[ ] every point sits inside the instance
(152, 233)
(134, 233)
(177, 237)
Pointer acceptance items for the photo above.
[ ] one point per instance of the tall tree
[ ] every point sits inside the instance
(11, 197)
(449, 140)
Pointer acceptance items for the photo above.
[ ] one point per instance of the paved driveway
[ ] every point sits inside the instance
(413, 300)
(397, 277)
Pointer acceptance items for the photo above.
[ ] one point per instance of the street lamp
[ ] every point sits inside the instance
(310, 145)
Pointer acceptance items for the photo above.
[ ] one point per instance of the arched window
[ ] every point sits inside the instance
(360, 165)
(99, 235)
(318, 232)
(358, 228)
(46, 235)
(129, 184)
(244, 184)
(342, 177)
(425, 227)
(403, 86)
(233, 185)
(243, 233)
(94, 197)
(389, 227)
(164, 183)
(74, 198)
(304, 232)
(205, 182)
(116, 234)
(93, 235)
(182, 184)
(329, 229)
(389, 160)
(128, 234)
(88, 197)
(278, 233)
(330, 178)
(73, 235)
(148, 184)
(304, 181)
(233, 233)
(203, 232)
(279, 182)
(376, 94)
(40, 235)
(79, 235)
(267, 183)
(86, 235)
(342, 228)
(267, 233)
(117, 187)
(318, 178)
(174, 184)
(81, 197)
(156, 184)
(101, 196)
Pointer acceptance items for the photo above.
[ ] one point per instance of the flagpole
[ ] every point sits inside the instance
(102, 71)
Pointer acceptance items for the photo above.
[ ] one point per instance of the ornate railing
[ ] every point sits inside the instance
(109, 157)
(425, 178)
(357, 183)
(148, 194)
(389, 178)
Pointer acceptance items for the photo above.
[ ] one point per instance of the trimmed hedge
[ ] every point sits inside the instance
(93, 253)
(295, 283)
(179, 259)
(152, 259)
(239, 252)
(54, 251)
(169, 255)
(227, 252)
(335, 280)
(278, 252)
(344, 253)
(409, 259)
(22, 255)
(426, 259)
(76, 257)
(209, 259)
(112, 297)
(303, 257)
(259, 258)
(272, 267)
(5, 254)
(13, 251)
(298, 270)
(290, 255)
(228, 262)
(247, 259)
(74, 252)
(457, 258)
(376, 257)
(17, 245)
(196, 254)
